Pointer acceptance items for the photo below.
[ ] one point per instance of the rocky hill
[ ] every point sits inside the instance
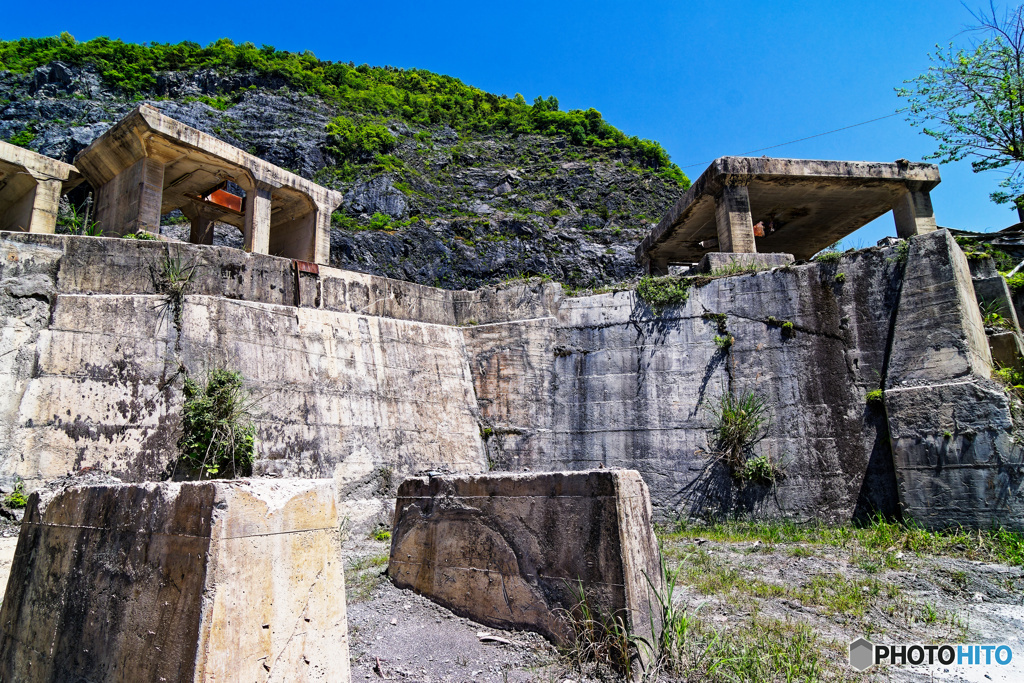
(444, 184)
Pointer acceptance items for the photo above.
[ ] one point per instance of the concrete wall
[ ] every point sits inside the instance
(370, 379)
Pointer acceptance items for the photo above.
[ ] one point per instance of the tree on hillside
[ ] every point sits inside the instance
(971, 100)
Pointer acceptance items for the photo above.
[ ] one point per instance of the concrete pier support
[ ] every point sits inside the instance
(45, 204)
(130, 202)
(913, 214)
(257, 219)
(732, 216)
(201, 220)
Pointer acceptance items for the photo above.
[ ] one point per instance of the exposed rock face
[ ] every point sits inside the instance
(513, 550)
(370, 380)
(465, 208)
(235, 581)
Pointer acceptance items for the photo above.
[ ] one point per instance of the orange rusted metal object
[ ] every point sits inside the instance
(225, 199)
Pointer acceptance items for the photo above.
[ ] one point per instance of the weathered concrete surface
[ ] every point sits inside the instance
(346, 387)
(713, 261)
(956, 456)
(510, 550)
(606, 380)
(370, 380)
(804, 205)
(235, 581)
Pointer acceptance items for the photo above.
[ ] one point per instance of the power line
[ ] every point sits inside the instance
(809, 137)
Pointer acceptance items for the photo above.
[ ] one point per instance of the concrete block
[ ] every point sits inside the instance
(226, 581)
(508, 549)
(719, 261)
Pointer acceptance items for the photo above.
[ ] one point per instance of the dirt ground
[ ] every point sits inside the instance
(820, 595)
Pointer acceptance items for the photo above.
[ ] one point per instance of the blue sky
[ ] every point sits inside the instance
(705, 79)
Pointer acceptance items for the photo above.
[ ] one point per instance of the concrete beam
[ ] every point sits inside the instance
(256, 234)
(732, 218)
(913, 214)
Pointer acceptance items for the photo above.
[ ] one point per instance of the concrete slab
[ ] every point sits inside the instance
(715, 261)
(149, 164)
(226, 581)
(30, 189)
(803, 205)
(510, 550)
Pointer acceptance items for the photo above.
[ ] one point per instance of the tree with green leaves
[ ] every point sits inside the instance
(971, 100)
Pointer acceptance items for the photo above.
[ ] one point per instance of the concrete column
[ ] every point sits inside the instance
(130, 202)
(657, 266)
(735, 226)
(323, 237)
(201, 220)
(44, 206)
(913, 214)
(257, 219)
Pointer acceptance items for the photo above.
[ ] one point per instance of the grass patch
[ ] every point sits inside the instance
(363, 575)
(880, 535)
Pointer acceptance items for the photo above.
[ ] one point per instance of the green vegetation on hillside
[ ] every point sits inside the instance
(413, 95)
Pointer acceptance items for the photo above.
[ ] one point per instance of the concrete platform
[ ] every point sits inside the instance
(802, 206)
(509, 550)
(226, 581)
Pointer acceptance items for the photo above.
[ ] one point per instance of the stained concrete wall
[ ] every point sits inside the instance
(235, 581)
(370, 379)
(367, 388)
(512, 550)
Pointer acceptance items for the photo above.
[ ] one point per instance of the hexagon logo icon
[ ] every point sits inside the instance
(862, 654)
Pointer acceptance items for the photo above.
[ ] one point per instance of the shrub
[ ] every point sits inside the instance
(380, 221)
(218, 436)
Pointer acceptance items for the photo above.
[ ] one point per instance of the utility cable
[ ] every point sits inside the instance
(809, 137)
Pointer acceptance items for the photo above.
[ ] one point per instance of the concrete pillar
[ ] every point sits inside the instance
(323, 237)
(44, 206)
(257, 219)
(735, 226)
(657, 266)
(201, 220)
(913, 214)
(130, 202)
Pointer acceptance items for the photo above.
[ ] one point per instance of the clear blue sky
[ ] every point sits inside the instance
(705, 79)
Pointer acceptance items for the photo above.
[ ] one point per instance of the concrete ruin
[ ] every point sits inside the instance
(31, 186)
(178, 582)
(514, 550)
(747, 205)
(148, 165)
(368, 380)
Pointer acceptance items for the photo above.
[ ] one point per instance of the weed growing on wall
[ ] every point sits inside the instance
(175, 279)
(218, 437)
(598, 639)
(16, 499)
(662, 292)
(739, 422)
